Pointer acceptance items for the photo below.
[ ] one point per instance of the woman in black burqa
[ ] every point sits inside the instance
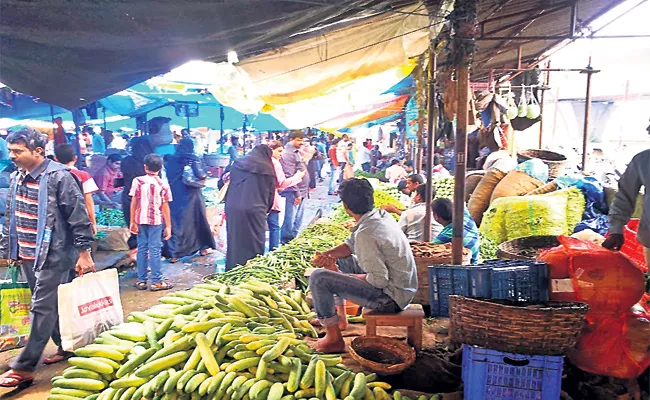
(133, 166)
(248, 201)
(191, 230)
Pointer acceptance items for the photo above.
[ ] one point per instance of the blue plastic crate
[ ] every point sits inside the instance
(509, 280)
(495, 375)
(447, 280)
(520, 282)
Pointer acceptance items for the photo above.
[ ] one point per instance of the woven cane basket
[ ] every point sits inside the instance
(549, 328)
(400, 354)
(527, 248)
(555, 161)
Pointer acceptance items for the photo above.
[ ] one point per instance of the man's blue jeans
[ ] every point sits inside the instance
(333, 178)
(329, 289)
(148, 256)
(292, 216)
(273, 221)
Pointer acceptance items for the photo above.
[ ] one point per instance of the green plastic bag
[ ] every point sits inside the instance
(15, 305)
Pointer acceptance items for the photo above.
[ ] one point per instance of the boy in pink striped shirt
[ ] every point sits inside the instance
(150, 208)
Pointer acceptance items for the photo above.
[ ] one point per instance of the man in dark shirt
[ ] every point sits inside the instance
(47, 230)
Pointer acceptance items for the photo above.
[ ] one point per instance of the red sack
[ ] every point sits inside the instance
(588, 273)
(617, 346)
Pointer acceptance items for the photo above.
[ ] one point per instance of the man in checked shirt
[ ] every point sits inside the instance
(47, 230)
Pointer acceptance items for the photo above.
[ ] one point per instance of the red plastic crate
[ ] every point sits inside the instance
(632, 248)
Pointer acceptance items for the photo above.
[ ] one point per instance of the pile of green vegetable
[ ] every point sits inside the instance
(381, 197)
(488, 248)
(381, 175)
(289, 261)
(444, 188)
(217, 342)
(553, 214)
(110, 217)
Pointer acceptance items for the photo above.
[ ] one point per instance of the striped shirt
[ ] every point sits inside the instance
(470, 236)
(150, 192)
(27, 211)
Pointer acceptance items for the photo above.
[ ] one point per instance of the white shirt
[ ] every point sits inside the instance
(396, 173)
(411, 222)
(364, 155)
(342, 151)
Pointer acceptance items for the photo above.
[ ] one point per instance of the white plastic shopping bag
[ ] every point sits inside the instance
(88, 306)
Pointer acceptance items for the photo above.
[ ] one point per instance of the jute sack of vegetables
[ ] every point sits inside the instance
(471, 182)
(480, 199)
(535, 216)
(516, 183)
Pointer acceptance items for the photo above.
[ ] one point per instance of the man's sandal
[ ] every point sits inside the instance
(163, 285)
(141, 285)
(57, 357)
(11, 380)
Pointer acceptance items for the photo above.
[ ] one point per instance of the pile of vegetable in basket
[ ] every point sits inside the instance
(214, 342)
(289, 261)
(110, 217)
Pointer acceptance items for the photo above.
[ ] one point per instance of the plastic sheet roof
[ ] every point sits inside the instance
(73, 52)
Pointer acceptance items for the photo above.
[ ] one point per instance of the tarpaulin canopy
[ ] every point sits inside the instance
(386, 106)
(130, 103)
(20, 106)
(313, 67)
(73, 52)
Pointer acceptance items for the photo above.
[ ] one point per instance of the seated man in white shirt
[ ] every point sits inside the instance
(395, 172)
(412, 219)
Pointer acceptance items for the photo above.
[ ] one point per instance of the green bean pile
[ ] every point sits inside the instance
(289, 261)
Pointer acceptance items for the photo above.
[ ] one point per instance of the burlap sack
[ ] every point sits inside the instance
(479, 201)
(471, 182)
(516, 183)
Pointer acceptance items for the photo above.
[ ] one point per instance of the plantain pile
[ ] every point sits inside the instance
(213, 342)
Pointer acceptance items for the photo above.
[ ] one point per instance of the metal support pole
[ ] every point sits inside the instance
(461, 164)
(541, 104)
(464, 26)
(431, 134)
(104, 112)
(221, 118)
(585, 137)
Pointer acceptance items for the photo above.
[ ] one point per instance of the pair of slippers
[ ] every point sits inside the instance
(13, 380)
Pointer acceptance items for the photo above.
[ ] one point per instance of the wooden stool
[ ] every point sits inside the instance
(411, 318)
